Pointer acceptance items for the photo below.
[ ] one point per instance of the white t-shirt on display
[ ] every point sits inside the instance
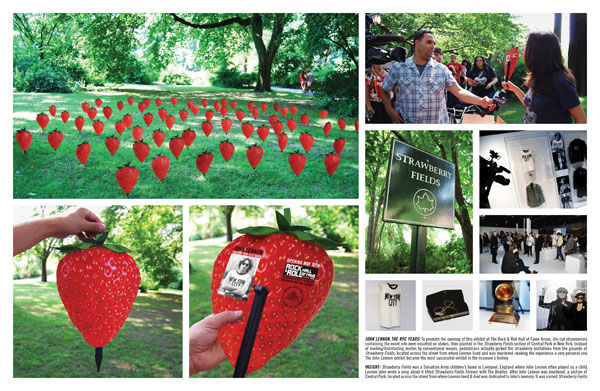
(389, 305)
(527, 160)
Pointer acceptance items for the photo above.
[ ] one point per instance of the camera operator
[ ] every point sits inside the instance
(420, 83)
(489, 172)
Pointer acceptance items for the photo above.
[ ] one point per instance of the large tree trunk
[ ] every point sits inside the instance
(578, 50)
(266, 54)
(228, 212)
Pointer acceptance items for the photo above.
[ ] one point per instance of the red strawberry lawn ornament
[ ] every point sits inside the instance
(203, 162)
(223, 110)
(98, 102)
(137, 132)
(91, 112)
(169, 121)
(127, 177)
(323, 114)
(120, 105)
(162, 113)
(297, 162)
(148, 118)
(98, 127)
(226, 149)
(158, 136)
(233, 105)
(240, 115)
(42, 120)
(174, 101)
(277, 127)
(183, 114)
(64, 116)
(112, 144)
(130, 100)
(97, 283)
(263, 132)
(338, 145)
(160, 166)
(85, 106)
(293, 110)
(332, 161)
(292, 275)
(304, 118)
(141, 150)
(291, 124)
(55, 138)
(79, 122)
(52, 110)
(188, 136)
(342, 123)
(254, 155)
(283, 111)
(176, 146)
(264, 107)
(226, 124)
(307, 141)
(282, 141)
(207, 127)
(209, 115)
(247, 129)
(24, 139)
(107, 111)
(120, 127)
(83, 152)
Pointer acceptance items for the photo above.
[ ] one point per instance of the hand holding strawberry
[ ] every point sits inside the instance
(291, 263)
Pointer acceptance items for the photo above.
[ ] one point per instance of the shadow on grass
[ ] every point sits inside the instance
(327, 347)
(47, 344)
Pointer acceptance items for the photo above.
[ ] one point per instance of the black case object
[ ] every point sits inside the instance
(441, 299)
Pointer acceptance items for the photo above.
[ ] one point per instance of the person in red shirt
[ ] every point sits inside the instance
(455, 68)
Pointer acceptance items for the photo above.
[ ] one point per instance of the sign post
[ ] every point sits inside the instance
(420, 192)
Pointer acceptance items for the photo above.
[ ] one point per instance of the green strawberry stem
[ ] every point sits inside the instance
(285, 226)
(86, 243)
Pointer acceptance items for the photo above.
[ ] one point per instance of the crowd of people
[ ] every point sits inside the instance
(530, 245)
(420, 89)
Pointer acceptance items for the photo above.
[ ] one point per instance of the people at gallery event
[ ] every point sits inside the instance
(482, 78)
(420, 84)
(531, 245)
(374, 109)
(551, 95)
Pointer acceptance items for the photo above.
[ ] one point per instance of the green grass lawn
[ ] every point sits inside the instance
(328, 346)
(47, 344)
(45, 173)
(513, 111)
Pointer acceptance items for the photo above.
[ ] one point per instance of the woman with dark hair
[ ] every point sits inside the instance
(552, 95)
(484, 78)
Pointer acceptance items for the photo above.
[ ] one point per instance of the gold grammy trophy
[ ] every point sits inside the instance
(505, 312)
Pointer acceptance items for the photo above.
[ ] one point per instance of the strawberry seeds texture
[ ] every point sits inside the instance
(98, 287)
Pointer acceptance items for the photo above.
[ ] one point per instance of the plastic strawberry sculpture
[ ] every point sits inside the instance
(291, 275)
(24, 139)
(97, 283)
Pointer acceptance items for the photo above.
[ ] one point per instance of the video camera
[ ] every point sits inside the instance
(378, 55)
(490, 172)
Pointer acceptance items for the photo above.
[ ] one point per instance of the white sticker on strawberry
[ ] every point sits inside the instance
(297, 273)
